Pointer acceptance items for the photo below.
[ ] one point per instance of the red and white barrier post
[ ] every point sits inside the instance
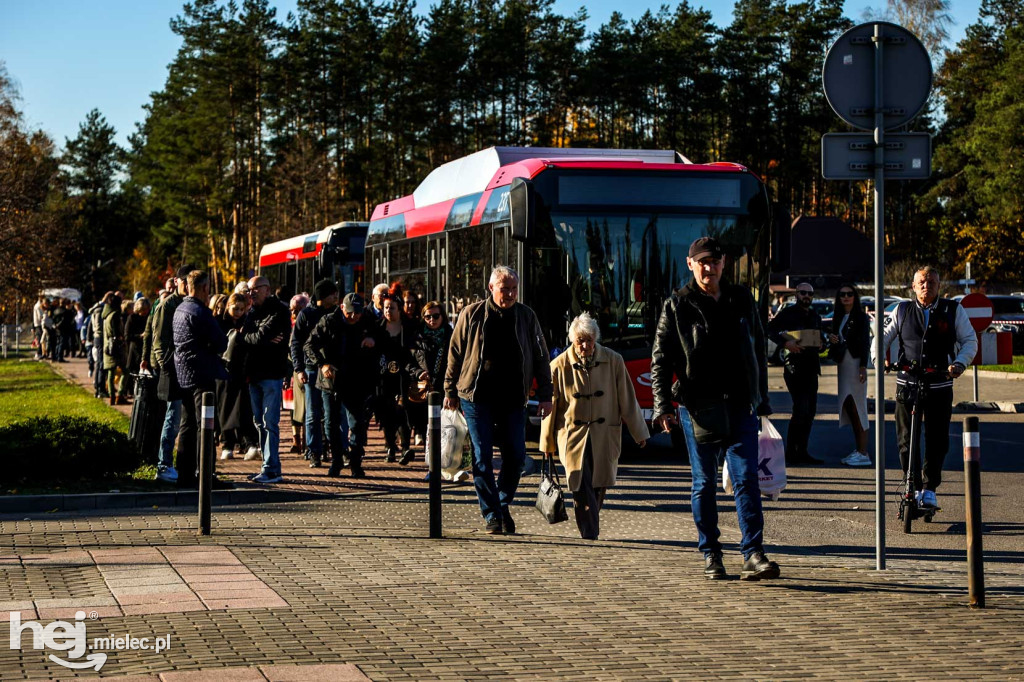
(972, 504)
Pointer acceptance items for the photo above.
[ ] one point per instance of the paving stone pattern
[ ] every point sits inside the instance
(365, 586)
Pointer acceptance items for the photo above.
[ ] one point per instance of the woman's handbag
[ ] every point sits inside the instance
(710, 419)
(550, 501)
(418, 391)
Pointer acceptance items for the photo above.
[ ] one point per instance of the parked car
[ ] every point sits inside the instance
(1008, 316)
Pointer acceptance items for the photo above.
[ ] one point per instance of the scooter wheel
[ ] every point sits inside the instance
(909, 511)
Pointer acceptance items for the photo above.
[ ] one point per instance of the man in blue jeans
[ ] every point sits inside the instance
(266, 332)
(496, 352)
(711, 341)
(325, 300)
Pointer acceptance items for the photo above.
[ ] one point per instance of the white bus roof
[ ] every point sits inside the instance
(471, 174)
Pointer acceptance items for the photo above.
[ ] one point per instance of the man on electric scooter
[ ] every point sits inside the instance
(936, 333)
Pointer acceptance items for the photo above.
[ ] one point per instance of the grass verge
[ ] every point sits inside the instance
(1017, 366)
(30, 389)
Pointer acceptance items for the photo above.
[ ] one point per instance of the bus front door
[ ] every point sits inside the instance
(379, 263)
(437, 252)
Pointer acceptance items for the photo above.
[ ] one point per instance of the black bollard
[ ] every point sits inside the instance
(206, 438)
(434, 402)
(972, 504)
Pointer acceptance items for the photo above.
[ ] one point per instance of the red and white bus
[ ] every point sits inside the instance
(335, 253)
(599, 230)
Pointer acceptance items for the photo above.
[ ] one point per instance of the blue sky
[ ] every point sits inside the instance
(70, 56)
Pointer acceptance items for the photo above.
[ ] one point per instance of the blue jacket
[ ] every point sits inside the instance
(199, 343)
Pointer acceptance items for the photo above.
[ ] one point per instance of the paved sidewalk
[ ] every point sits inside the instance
(360, 584)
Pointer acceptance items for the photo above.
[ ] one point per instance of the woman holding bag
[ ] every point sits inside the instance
(593, 398)
(850, 345)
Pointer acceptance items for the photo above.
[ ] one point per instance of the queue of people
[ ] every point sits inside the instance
(348, 360)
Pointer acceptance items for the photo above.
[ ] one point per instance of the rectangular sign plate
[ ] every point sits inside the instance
(851, 156)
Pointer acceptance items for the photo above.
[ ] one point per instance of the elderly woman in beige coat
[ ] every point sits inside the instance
(593, 398)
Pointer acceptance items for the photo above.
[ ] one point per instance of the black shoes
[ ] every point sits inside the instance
(357, 471)
(407, 457)
(392, 455)
(758, 567)
(493, 527)
(314, 460)
(507, 524)
(714, 569)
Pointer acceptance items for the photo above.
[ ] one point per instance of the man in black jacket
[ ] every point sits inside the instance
(343, 347)
(710, 337)
(801, 370)
(266, 333)
(325, 300)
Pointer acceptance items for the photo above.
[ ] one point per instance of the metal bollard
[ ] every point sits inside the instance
(434, 402)
(206, 438)
(972, 504)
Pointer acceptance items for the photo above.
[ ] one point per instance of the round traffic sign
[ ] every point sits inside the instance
(979, 309)
(848, 75)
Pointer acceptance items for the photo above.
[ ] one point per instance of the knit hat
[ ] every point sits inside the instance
(323, 289)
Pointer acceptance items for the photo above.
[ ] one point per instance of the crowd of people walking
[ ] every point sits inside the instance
(346, 360)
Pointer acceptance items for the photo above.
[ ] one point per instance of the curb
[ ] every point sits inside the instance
(993, 374)
(10, 504)
(997, 406)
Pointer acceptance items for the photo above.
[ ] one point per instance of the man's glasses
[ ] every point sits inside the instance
(845, 294)
(432, 316)
(804, 293)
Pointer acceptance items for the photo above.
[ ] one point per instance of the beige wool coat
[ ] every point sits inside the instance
(560, 432)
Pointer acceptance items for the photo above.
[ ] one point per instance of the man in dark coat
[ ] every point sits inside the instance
(343, 345)
(199, 343)
(325, 300)
(801, 371)
(710, 340)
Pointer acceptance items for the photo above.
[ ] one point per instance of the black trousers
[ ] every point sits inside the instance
(187, 462)
(937, 411)
(803, 388)
(588, 500)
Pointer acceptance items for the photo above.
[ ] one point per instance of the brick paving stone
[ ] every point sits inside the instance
(222, 675)
(69, 613)
(168, 607)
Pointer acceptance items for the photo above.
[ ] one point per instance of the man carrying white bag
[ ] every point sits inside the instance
(771, 463)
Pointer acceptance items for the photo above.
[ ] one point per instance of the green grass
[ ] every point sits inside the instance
(1017, 366)
(31, 389)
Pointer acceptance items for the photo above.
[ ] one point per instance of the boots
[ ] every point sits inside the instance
(298, 442)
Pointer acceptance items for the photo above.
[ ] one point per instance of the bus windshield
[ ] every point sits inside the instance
(621, 266)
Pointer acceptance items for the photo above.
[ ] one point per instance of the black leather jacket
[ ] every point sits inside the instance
(681, 340)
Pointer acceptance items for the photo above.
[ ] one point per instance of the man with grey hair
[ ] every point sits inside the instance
(266, 332)
(801, 369)
(377, 300)
(496, 352)
(935, 333)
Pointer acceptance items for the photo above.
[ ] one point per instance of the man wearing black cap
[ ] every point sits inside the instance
(158, 357)
(325, 300)
(342, 345)
(710, 337)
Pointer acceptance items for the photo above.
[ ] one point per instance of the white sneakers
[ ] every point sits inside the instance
(253, 453)
(167, 474)
(227, 454)
(857, 459)
(926, 498)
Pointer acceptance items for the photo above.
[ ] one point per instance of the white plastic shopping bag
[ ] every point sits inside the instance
(771, 462)
(453, 438)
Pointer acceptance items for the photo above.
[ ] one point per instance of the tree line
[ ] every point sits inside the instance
(268, 127)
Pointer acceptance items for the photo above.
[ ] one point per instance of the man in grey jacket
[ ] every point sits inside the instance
(496, 353)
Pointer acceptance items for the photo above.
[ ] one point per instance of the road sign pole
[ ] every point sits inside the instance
(879, 42)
